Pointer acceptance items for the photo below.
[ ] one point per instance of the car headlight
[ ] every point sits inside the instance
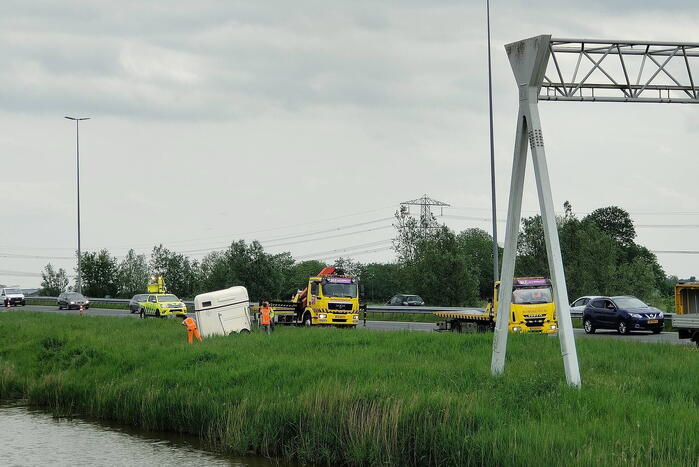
(322, 316)
(72, 303)
(635, 315)
(661, 315)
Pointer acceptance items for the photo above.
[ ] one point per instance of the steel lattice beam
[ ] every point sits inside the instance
(593, 70)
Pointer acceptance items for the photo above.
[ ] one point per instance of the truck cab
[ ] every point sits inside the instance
(330, 298)
(532, 308)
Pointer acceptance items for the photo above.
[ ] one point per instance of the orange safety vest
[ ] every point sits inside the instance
(265, 316)
(190, 323)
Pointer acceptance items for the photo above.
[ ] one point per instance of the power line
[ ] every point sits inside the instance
(296, 242)
(676, 252)
(20, 256)
(342, 250)
(270, 229)
(358, 253)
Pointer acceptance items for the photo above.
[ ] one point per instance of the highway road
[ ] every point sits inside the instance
(664, 337)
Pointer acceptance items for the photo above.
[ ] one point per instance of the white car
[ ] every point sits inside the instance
(11, 297)
(579, 305)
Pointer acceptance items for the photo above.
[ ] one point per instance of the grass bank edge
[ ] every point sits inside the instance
(396, 398)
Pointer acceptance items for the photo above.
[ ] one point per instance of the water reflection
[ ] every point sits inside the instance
(30, 437)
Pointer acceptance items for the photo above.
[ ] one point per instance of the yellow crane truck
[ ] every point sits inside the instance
(686, 317)
(532, 310)
(330, 298)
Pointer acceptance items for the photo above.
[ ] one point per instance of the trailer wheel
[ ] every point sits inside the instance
(456, 326)
(244, 331)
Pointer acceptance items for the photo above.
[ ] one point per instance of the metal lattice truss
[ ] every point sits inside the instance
(621, 71)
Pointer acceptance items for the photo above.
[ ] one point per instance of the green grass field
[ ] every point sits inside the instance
(362, 397)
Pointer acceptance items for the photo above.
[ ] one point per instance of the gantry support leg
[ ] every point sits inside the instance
(529, 129)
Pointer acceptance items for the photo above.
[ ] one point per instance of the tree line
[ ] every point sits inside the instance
(600, 256)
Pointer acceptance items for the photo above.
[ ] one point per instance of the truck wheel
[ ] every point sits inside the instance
(307, 319)
(589, 328)
(622, 327)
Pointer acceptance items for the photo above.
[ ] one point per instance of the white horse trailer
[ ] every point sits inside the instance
(223, 312)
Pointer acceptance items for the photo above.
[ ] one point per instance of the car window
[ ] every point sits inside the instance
(579, 302)
(609, 305)
(597, 303)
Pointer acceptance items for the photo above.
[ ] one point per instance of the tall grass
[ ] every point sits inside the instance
(361, 397)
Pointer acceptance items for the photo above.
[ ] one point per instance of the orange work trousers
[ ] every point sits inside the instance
(193, 332)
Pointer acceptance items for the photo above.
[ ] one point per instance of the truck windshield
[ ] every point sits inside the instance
(340, 290)
(168, 298)
(532, 295)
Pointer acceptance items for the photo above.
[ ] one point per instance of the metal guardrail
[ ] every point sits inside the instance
(408, 310)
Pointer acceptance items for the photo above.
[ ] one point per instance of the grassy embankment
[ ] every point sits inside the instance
(361, 397)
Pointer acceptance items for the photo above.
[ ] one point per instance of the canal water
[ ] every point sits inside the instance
(34, 438)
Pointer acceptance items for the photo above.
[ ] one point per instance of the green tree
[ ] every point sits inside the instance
(264, 275)
(181, 274)
(615, 222)
(408, 233)
(381, 281)
(99, 274)
(53, 282)
(532, 259)
(348, 266)
(298, 274)
(477, 246)
(443, 276)
(133, 275)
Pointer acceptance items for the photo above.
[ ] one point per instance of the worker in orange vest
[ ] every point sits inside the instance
(266, 317)
(191, 328)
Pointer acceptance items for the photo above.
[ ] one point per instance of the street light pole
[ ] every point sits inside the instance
(496, 268)
(77, 162)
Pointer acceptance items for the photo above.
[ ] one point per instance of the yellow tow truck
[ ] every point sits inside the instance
(330, 298)
(532, 310)
(158, 303)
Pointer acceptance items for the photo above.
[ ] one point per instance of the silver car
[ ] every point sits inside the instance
(577, 307)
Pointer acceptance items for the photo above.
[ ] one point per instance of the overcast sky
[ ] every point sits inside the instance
(304, 124)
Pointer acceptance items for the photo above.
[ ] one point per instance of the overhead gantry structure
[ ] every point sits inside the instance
(584, 70)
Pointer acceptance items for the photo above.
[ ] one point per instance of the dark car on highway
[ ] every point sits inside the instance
(623, 313)
(406, 300)
(134, 305)
(70, 300)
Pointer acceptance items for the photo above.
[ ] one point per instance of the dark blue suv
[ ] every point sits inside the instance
(624, 313)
